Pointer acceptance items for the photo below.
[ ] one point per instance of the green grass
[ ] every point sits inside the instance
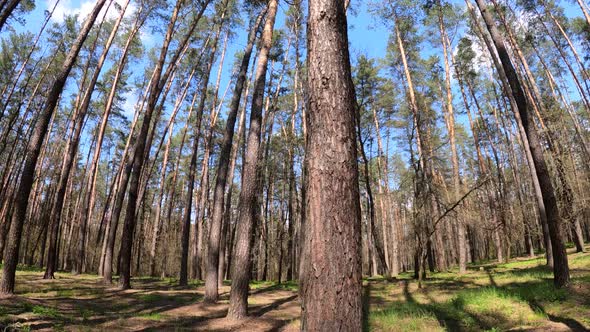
(498, 297)
(579, 261)
(47, 312)
(151, 297)
(28, 268)
(85, 314)
(495, 307)
(65, 293)
(490, 297)
(153, 316)
(470, 310)
(272, 285)
(403, 317)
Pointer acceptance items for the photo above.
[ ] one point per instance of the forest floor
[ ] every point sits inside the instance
(515, 296)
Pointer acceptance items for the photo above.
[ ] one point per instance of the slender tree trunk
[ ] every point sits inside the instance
(88, 203)
(141, 145)
(186, 225)
(560, 268)
(522, 134)
(6, 10)
(228, 200)
(451, 129)
(159, 202)
(381, 184)
(40, 130)
(24, 64)
(80, 254)
(226, 145)
(583, 6)
(238, 306)
(375, 239)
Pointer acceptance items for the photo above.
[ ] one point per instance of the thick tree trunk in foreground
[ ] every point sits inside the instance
(331, 259)
(560, 266)
(238, 306)
(27, 178)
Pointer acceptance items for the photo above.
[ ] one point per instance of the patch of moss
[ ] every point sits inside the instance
(404, 317)
(65, 293)
(152, 316)
(151, 297)
(48, 312)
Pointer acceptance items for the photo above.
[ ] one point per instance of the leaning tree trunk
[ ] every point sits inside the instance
(584, 10)
(331, 281)
(560, 266)
(6, 10)
(27, 178)
(228, 135)
(375, 239)
(186, 219)
(141, 147)
(238, 305)
(79, 257)
(462, 247)
(69, 157)
(522, 135)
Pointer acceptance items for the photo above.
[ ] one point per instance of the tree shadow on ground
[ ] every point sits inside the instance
(149, 305)
(454, 315)
(288, 286)
(256, 318)
(366, 306)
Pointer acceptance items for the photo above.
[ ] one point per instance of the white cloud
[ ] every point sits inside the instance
(83, 7)
(482, 62)
(131, 98)
(148, 39)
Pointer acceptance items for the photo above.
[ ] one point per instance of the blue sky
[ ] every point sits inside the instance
(366, 35)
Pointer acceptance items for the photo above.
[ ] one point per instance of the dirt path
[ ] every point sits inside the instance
(517, 296)
(84, 303)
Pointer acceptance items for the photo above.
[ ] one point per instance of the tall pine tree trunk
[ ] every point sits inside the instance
(560, 267)
(227, 142)
(331, 282)
(141, 147)
(40, 130)
(238, 306)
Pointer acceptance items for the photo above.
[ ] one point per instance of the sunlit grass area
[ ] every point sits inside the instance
(515, 295)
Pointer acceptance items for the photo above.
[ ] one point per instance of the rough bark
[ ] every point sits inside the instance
(331, 258)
